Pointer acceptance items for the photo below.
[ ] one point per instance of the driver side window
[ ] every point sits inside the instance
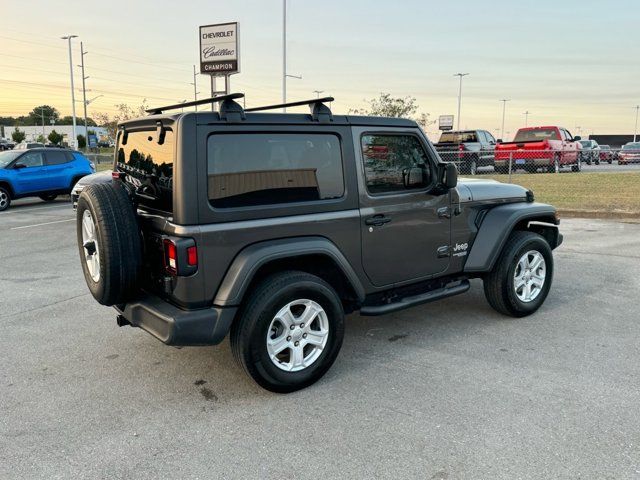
(32, 159)
(394, 163)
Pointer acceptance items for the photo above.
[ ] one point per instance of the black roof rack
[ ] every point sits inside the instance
(204, 101)
(292, 104)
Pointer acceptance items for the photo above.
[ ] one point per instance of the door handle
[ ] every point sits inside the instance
(377, 220)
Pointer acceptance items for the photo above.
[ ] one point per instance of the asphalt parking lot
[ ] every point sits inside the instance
(450, 390)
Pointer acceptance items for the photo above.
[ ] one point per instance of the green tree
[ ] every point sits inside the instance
(82, 142)
(55, 138)
(49, 112)
(18, 135)
(41, 139)
(399, 107)
(124, 112)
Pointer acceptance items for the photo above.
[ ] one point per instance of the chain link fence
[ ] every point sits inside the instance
(601, 182)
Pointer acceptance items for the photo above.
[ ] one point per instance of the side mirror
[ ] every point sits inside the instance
(19, 166)
(450, 175)
(413, 177)
(576, 138)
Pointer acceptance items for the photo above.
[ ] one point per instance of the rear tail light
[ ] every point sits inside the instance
(170, 257)
(192, 256)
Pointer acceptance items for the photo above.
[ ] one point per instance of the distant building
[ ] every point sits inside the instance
(33, 132)
(614, 141)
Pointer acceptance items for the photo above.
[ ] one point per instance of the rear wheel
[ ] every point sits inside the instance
(555, 166)
(521, 278)
(5, 199)
(501, 170)
(578, 166)
(108, 243)
(48, 197)
(289, 331)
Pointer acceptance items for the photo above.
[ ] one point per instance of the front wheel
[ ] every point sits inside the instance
(289, 331)
(5, 199)
(521, 278)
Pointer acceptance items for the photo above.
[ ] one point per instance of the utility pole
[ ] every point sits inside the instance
(84, 95)
(73, 95)
(42, 115)
(504, 107)
(635, 131)
(195, 86)
(460, 95)
(318, 92)
(526, 118)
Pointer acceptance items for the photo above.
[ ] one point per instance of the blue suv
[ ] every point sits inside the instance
(40, 172)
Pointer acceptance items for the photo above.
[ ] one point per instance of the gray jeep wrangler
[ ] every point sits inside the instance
(271, 227)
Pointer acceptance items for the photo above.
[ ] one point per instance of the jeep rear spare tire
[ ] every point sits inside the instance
(108, 242)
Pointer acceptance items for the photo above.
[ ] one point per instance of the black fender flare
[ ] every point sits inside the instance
(248, 262)
(496, 227)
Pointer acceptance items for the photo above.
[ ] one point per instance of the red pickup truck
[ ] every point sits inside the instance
(551, 148)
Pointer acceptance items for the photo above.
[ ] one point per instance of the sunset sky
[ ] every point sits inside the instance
(572, 63)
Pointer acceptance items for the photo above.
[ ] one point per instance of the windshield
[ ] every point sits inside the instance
(632, 146)
(585, 143)
(458, 137)
(536, 135)
(7, 157)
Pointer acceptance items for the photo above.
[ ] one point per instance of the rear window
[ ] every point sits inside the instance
(265, 169)
(631, 146)
(585, 143)
(458, 137)
(149, 167)
(536, 135)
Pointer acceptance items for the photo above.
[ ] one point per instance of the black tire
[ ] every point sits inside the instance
(5, 199)
(249, 331)
(471, 166)
(578, 166)
(555, 167)
(499, 283)
(501, 170)
(48, 197)
(118, 241)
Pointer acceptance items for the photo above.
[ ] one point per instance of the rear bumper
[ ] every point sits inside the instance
(523, 162)
(175, 326)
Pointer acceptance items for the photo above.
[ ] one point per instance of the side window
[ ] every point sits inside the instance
(32, 159)
(55, 157)
(394, 163)
(568, 134)
(273, 168)
(489, 137)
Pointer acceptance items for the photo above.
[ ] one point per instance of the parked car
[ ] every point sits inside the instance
(94, 178)
(28, 145)
(606, 154)
(272, 227)
(630, 153)
(590, 152)
(469, 149)
(40, 172)
(6, 144)
(550, 148)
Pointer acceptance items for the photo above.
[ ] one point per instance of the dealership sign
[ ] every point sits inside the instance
(219, 49)
(445, 122)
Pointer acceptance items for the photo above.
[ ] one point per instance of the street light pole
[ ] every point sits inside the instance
(195, 87)
(284, 53)
(460, 95)
(635, 131)
(84, 94)
(318, 92)
(73, 95)
(526, 118)
(504, 107)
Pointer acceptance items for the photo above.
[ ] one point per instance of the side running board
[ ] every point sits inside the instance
(412, 301)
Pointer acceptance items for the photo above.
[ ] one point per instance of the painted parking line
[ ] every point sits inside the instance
(28, 208)
(41, 224)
